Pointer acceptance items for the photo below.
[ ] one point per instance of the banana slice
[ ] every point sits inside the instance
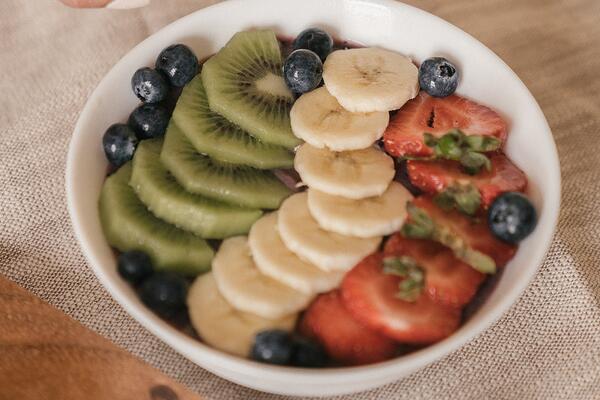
(247, 289)
(329, 251)
(318, 119)
(352, 174)
(373, 216)
(370, 79)
(274, 259)
(223, 327)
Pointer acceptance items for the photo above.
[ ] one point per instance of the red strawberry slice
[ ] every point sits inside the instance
(404, 134)
(447, 279)
(435, 176)
(344, 338)
(370, 296)
(473, 231)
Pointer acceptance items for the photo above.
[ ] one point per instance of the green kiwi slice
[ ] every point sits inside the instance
(169, 201)
(235, 184)
(128, 225)
(244, 83)
(215, 136)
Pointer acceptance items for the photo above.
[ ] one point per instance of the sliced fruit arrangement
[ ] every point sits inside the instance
(310, 286)
(351, 201)
(328, 250)
(229, 183)
(166, 199)
(447, 279)
(455, 187)
(406, 134)
(470, 239)
(213, 135)
(247, 289)
(414, 291)
(274, 259)
(371, 293)
(207, 179)
(128, 225)
(221, 194)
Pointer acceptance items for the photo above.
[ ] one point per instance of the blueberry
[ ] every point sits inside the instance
(164, 292)
(512, 217)
(149, 85)
(308, 353)
(119, 143)
(149, 121)
(316, 40)
(438, 77)
(302, 71)
(178, 63)
(273, 347)
(134, 266)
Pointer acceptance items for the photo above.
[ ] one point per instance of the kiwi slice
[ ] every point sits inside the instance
(231, 183)
(244, 83)
(128, 225)
(161, 193)
(215, 136)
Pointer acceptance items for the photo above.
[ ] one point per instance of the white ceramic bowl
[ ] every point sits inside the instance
(485, 78)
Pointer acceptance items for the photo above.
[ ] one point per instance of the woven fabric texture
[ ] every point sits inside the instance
(546, 347)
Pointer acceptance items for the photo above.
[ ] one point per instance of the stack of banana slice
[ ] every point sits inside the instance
(264, 280)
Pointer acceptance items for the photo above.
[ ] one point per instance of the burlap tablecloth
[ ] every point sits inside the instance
(546, 347)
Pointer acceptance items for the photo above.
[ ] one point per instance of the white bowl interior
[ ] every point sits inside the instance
(386, 23)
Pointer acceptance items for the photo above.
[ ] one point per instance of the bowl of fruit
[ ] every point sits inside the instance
(317, 202)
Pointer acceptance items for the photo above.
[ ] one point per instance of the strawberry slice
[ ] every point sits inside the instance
(404, 134)
(447, 279)
(435, 176)
(343, 337)
(464, 235)
(371, 297)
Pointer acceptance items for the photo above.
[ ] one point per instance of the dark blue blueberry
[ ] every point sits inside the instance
(316, 40)
(134, 266)
(438, 77)
(512, 217)
(164, 292)
(178, 63)
(273, 347)
(149, 121)
(303, 71)
(149, 85)
(119, 143)
(308, 353)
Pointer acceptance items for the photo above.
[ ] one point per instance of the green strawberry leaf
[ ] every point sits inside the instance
(456, 146)
(476, 259)
(411, 286)
(420, 225)
(463, 197)
(449, 147)
(472, 162)
(481, 143)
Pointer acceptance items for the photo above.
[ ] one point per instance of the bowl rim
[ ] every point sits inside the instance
(182, 342)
